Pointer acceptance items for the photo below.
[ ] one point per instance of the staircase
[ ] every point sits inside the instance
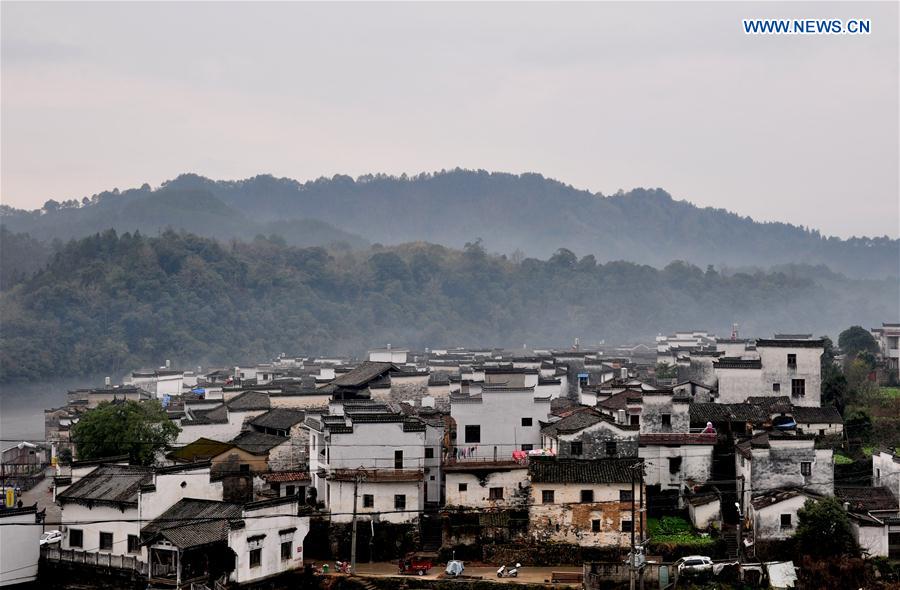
(431, 533)
(732, 544)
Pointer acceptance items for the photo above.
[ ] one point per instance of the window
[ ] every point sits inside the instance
(399, 501)
(674, 464)
(429, 453)
(495, 494)
(576, 448)
(785, 521)
(792, 361)
(595, 526)
(290, 490)
(626, 496)
(776, 387)
(587, 496)
(526, 422)
(463, 487)
(806, 468)
(473, 433)
(611, 448)
(527, 447)
(398, 459)
(583, 380)
(635, 420)
(287, 549)
(76, 538)
(368, 501)
(627, 525)
(245, 468)
(547, 496)
(134, 544)
(666, 420)
(798, 387)
(255, 557)
(106, 541)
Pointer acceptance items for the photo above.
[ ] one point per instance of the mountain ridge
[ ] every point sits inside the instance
(510, 212)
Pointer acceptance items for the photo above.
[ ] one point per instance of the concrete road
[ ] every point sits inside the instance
(526, 574)
(42, 493)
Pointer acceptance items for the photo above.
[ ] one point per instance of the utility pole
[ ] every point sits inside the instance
(643, 536)
(357, 478)
(631, 559)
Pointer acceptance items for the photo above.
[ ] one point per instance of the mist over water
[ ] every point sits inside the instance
(22, 406)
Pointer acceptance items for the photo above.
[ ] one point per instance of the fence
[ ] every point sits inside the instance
(107, 560)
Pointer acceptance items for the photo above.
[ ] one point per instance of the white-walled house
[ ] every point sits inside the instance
(383, 495)
(486, 484)
(585, 433)
(886, 471)
(676, 460)
(20, 531)
(789, 367)
(209, 541)
(875, 517)
(774, 512)
(498, 421)
(584, 502)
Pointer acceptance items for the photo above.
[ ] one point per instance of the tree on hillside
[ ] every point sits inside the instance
(138, 429)
(855, 340)
(823, 530)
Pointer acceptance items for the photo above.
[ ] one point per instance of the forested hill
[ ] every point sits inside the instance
(527, 212)
(109, 303)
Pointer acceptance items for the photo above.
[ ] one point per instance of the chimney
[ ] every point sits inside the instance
(621, 417)
(168, 364)
(107, 382)
(389, 346)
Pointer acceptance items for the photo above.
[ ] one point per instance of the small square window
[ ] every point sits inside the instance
(245, 468)
(398, 459)
(399, 501)
(495, 494)
(776, 387)
(798, 387)
(134, 544)
(76, 538)
(792, 361)
(627, 525)
(429, 452)
(106, 541)
(526, 421)
(611, 448)
(463, 487)
(806, 468)
(287, 550)
(547, 496)
(290, 490)
(368, 501)
(626, 496)
(527, 447)
(785, 521)
(595, 525)
(674, 464)
(473, 433)
(635, 420)
(666, 420)
(255, 557)
(587, 496)
(576, 448)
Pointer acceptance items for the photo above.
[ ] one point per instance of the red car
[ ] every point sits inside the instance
(415, 564)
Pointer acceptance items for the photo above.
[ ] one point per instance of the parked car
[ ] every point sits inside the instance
(694, 564)
(51, 537)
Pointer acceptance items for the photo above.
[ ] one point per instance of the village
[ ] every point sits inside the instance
(591, 466)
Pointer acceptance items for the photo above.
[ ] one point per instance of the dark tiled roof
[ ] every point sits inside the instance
(286, 476)
(249, 400)
(378, 475)
(729, 363)
(200, 449)
(257, 442)
(217, 415)
(701, 413)
(363, 374)
(867, 499)
(823, 415)
(677, 438)
(581, 471)
(579, 420)
(779, 495)
(279, 419)
(621, 400)
(192, 523)
(770, 401)
(790, 343)
(112, 484)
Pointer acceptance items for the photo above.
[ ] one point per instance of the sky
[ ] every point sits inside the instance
(603, 96)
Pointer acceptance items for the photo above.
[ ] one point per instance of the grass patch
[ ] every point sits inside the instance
(890, 392)
(844, 460)
(677, 532)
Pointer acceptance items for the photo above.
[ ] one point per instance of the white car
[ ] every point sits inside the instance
(694, 564)
(51, 537)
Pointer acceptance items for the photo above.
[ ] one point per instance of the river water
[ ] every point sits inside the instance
(22, 407)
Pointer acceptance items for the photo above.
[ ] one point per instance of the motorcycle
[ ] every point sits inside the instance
(509, 572)
(342, 567)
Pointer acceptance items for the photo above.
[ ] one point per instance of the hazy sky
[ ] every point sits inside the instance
(602, 96)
